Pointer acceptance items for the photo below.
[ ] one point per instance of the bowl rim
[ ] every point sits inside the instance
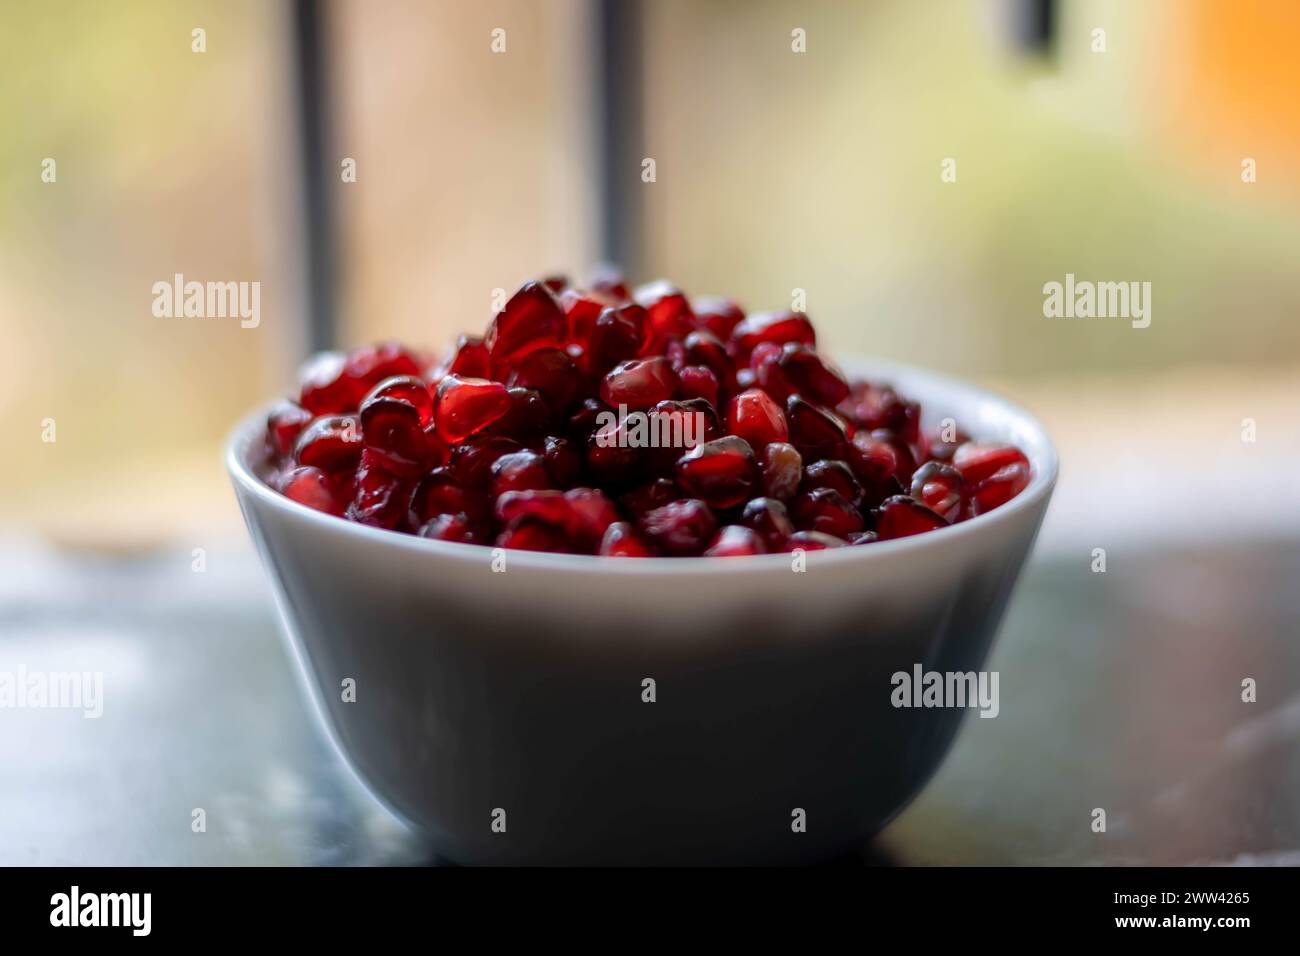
(1043, 458)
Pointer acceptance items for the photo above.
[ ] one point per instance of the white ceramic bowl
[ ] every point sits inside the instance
(522, 691)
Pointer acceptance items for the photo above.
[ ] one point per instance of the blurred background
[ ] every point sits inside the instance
(1119, 156)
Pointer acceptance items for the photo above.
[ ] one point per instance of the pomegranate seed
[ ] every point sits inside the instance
(826, 510)
(531, 320)
(404, 388)
(815, 431)
(782, 470)
(977, 462)
(940, 488)
(717, 316)
(326, 390)
(836, 475)
(591, 513)
(770, 520)
(283, 426)
(310, 487)
(872, 408)
(580, 314)
(901, 516)
(582, 423)
(331, 443)
(471, 359)
(381, 497)
(798, 369)
(547, 507)
(371, 364)
(470, 464)
(704, 348)
(519, 471)
(735, 541)
(464, 406)
(550, 372)
(681, 527)
(670, 314)
(450, 527)
(756, 418)
(436, 494)
(905, 461)
(813, 541)
(775, 327)
(563, 461)
(530, 535)
(721, 472)
(615, 337)
(622, 541)
(556, 283)
(639, 384)
(999, 488)
(697, 381)
(649, 496)
(612, 457)
(527, 415)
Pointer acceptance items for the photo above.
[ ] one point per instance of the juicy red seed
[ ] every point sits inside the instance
(827, 511)
(403, 388)
(450, 527)
(717, 316)
(464, 406)
(813, 541)
(622, 541)
(519, 471)
(556, 283)
(470, 463)
(698, 381)
(437, 493)
(381, 497)
(526, 417)
(563, 461)
(591, 514)
(681, 527)
(639, 384)
(901, 516)
(735, 541)
(704, 348)
(310, 487)
(583, 422)
(873, 408)
(649, 496)
(530, 320)
(977, 462)
(798, 369)
(940, 448)
(580, 314)
(816, 432)
(905, 460)
(548, 507)
(782, 470)
(391, 430)
(775, 327)
(326, 390)
(371, 364)
(756, 418)
(331, 443)
(770, 520)
(833, 474)
(721, 472)
(611, 454)
(283, 426)
(529, 535)
(698, 406)
(999, 488)
(550, 372)
(471, 359)
(940, 488)
(615, 337)
(872, 461)
(670, 314)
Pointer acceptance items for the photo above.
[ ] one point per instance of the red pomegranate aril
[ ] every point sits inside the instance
(584, 421)
(669, 311)
(940, 488)
(756, 418)
(798, 369)
(639, 384)
(827, 511)
(977, 462)
(551, 373)
(391, 430)
(679, 528)
(775, 327)
(371, 364)
(435, 494)
(833, 474)
(526, 418)
(717, 316)
(471, 359)
(331, 443)
(310, 487)
(450, 527)
(721, 472)
(813, 541)
(470, 462)
(647, 497)
(815, 431)
(905, 461)
(615, 337)
(706, 412)
(901, 517)
(381, 497)
(403, 388)
(770, 520)
(531, 320)
(519, 471)
(735, 541)
(546, 506)
(464, 406)
(782, 470)
(872, 408)
(698, 381)
(622, 541)
(591, 513)
(326, 389)
(999, 488)
(529, 535)
(283, 426)
(704, 348)
(563, 461)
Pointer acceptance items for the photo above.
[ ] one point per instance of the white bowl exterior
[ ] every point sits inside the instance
(479, 690)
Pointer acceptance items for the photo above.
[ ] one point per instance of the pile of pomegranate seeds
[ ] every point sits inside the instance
(568, 427)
